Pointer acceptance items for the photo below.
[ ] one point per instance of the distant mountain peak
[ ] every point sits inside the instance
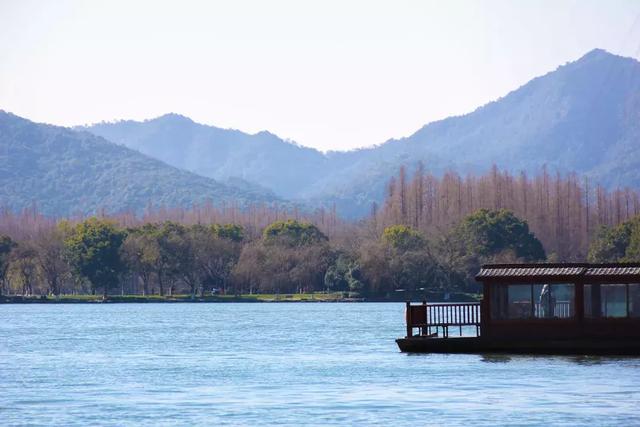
(173, 118)
(266, 133)
(599, 54)
(582, 117)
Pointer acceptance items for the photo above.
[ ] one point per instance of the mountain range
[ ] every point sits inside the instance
(583, 117)
(68, 172)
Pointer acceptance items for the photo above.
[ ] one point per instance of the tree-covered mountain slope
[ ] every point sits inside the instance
(217, 153)
(63, 172)
(584, 117)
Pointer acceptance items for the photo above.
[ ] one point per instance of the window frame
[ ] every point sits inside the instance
(601, 317)
(503, 285)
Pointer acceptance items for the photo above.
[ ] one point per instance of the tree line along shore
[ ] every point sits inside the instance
(314, 297)
(95, 259)
(428, 239)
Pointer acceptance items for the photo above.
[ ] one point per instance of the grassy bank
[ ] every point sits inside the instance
(70, 299)
(307, 297)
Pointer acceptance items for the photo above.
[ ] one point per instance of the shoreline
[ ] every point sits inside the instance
(257, 298)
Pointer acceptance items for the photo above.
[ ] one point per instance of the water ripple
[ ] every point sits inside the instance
(286, 364)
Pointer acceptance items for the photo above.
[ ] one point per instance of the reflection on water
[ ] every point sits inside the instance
(577, 359)
(590, 360)
(210, 364)
(599, 360)
(495, 358)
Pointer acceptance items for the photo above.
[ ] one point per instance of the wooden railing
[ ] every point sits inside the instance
(561, 309)
(525, 310)
(427, 317)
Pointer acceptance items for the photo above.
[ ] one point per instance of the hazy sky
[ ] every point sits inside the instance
(332, 75)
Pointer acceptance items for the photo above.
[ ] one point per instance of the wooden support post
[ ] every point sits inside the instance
(408, 319)
(578, 311)
(426, 316)
(627, 298)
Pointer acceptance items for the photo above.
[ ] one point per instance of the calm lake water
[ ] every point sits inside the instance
(294, 363)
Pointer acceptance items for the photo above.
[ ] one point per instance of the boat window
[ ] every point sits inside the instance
(554, 301)
(609, 300)
(499, 303)
(519, 297)
(614, 300)
(525, 301)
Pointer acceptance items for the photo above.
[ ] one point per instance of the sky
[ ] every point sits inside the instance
(334, 75)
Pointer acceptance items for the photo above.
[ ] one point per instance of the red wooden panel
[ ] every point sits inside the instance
(418, 315)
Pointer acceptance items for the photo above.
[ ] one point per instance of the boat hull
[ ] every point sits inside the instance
(481, 345)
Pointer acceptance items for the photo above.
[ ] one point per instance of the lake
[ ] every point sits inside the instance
(281, 363)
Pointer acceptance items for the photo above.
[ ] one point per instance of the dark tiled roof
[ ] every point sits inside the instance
(569, 270)
(613, 271)
(488, 271)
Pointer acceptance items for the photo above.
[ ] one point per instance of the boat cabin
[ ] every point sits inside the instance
(573, 307)
(560, 300)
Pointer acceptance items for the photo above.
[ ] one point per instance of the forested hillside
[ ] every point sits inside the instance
(582, 117)
(262, 158)
(65, 172)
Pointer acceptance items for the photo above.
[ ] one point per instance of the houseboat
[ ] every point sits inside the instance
(575, 308)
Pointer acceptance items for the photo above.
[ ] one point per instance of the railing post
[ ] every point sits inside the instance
(426, 312)
(408, 319)
(426, 319)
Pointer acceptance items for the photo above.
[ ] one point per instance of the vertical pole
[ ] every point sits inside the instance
(485, 309)
(627, 298)
(579, 302)
(425, 329)
(408, 319)
(533, 303)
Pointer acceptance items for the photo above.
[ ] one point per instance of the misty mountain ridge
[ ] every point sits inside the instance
(217, 153)
(581, 117)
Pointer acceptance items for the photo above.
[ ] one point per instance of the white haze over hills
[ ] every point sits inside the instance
(329, 74)
(582, 117)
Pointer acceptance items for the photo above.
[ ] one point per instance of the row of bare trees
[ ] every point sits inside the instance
(183, 250)
(563, 211)
(31, 223)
